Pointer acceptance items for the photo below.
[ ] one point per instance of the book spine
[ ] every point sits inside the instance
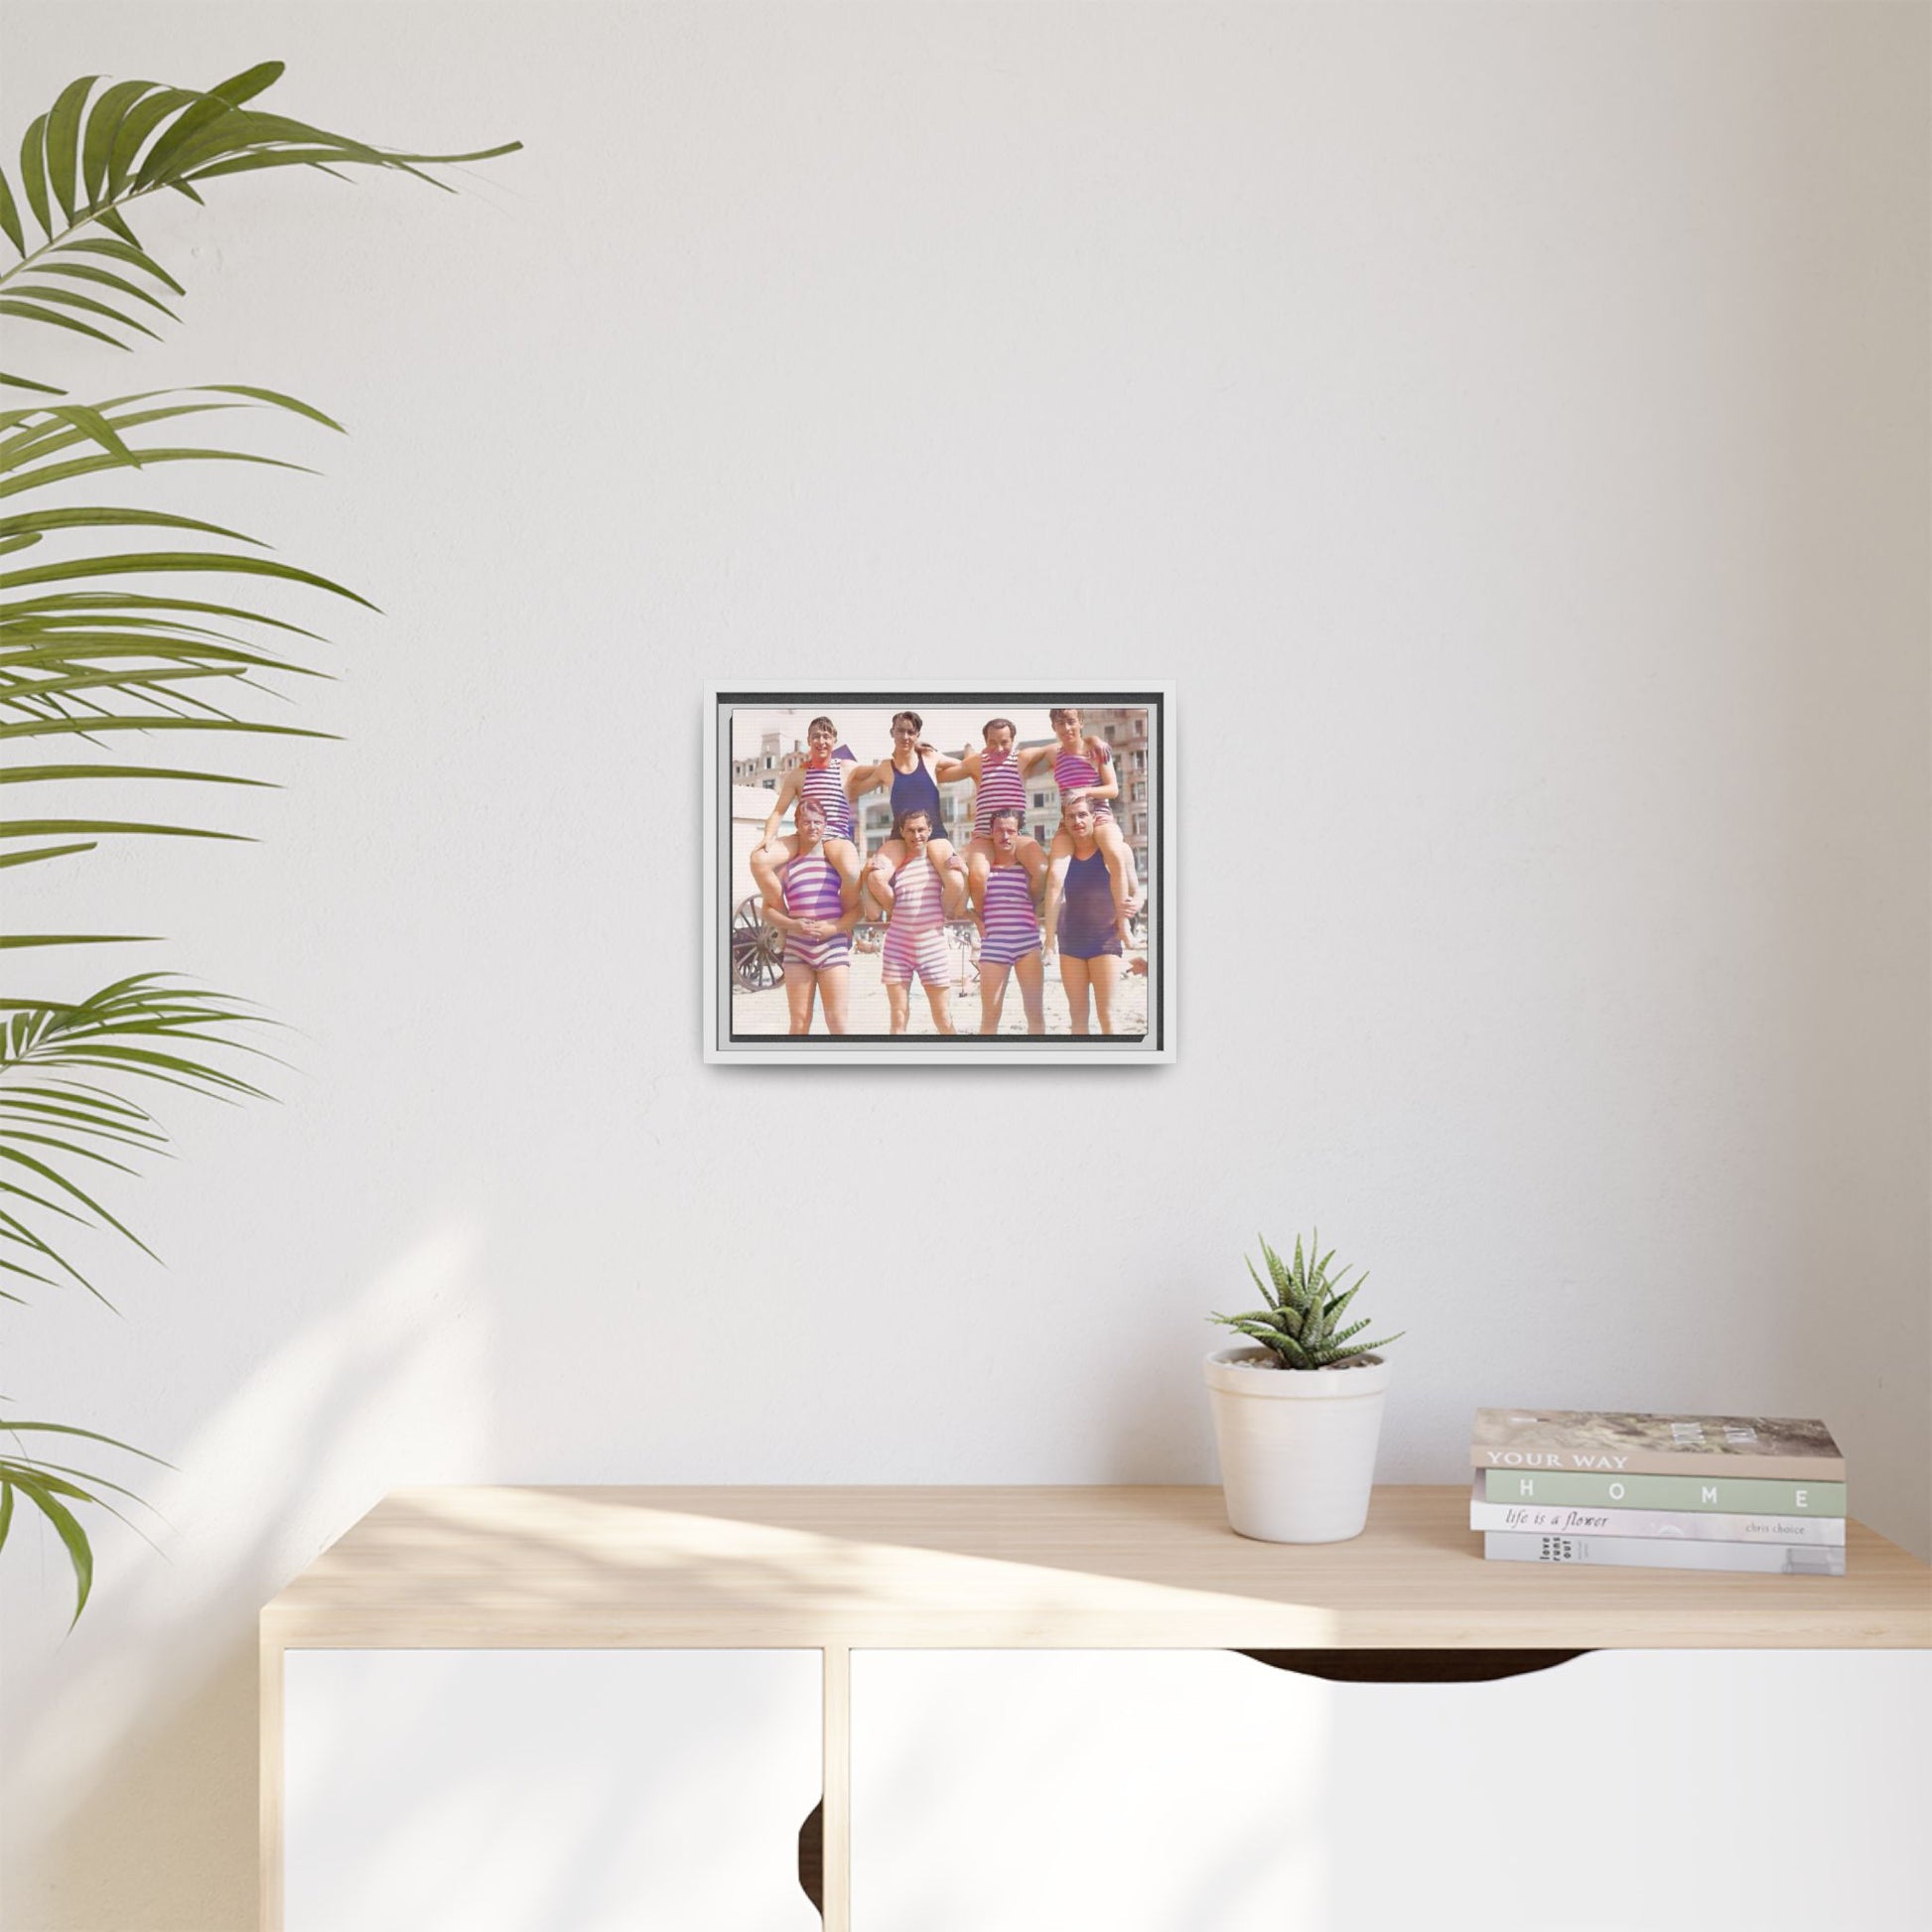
(1643, 1553)
(1659, 1462)
(1734, 1495)
(1690, 1525)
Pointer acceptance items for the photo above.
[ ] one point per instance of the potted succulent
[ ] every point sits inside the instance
(1298, 1414)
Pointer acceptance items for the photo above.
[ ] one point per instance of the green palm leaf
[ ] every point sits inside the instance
(38, 1489)
(25, 941)
(10, 222)
(32, 174)
(52, 1487)
(83, 657)
(90, 466)
(41, 853)
(146, 1026)
(30, 311)
(81, 166)
(151, 563)
(64, 142)
(19, 828)
(104, 120)
(105, 278)
(67, 773)
(39, 522)
(122, 251)
(25, 292)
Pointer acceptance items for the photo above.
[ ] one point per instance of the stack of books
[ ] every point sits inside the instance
(1662, 1493)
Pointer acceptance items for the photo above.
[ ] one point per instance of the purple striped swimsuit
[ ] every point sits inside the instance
(826, 783)
(1000, 787)
(812, 890)
(1073, 772)
(916, 934)
(1012, 926)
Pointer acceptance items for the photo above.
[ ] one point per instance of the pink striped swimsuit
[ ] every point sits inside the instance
(826, 783)
(916, 934)
(1073, 772)
(1000, 787)
(812, 890)
(1012, 929)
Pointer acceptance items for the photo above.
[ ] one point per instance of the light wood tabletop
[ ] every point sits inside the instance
(851, 1567)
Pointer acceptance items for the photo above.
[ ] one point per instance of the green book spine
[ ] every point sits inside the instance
(1754, 1495)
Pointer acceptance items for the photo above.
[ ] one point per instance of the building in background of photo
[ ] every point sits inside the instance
(955, 803)
(1124, 728)
(771, 763)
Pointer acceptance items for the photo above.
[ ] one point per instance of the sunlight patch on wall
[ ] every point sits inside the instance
(393, 1388)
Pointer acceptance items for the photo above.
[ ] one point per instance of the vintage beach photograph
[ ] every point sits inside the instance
(941, 870)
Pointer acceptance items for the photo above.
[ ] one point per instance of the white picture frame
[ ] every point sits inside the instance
(738, 991)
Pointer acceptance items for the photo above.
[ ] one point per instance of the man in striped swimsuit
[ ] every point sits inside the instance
(814, 903)
(999, 774)
(1004, 897)
(1088, 772)
(915, 930)
(833, 781)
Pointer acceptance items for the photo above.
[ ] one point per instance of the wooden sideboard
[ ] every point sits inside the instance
(838, 1571)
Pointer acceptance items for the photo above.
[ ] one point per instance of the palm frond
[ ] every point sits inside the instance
(85, 653)
(97, 643)
(145, 1027)
(52, 1487)
(95, 154)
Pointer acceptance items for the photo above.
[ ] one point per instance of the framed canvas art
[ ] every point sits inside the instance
(940, 874)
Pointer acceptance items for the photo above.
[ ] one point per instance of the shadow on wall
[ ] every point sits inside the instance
(135, 1804)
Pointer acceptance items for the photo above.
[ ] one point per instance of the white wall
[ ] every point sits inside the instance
(1506, 424)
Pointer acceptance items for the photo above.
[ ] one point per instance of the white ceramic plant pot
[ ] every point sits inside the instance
(1298, 1446)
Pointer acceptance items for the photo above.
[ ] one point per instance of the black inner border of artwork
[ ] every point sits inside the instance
(901, 700)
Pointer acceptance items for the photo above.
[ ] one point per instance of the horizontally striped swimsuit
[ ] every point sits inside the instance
(826, 783)
(1001, 789)
(1012, 929)
(1073, 772)
(812, 890)
(1088, 922)
(916, 934)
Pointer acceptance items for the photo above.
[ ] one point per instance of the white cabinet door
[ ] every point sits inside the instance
(1199, 1791)
(538, 1790)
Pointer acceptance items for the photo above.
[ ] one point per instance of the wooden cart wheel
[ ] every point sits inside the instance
(758, 949)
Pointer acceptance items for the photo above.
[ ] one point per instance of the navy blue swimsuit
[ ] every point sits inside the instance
(915, 792)
(1088, 927)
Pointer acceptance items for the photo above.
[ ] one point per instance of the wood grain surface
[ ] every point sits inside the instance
(848, 1567)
